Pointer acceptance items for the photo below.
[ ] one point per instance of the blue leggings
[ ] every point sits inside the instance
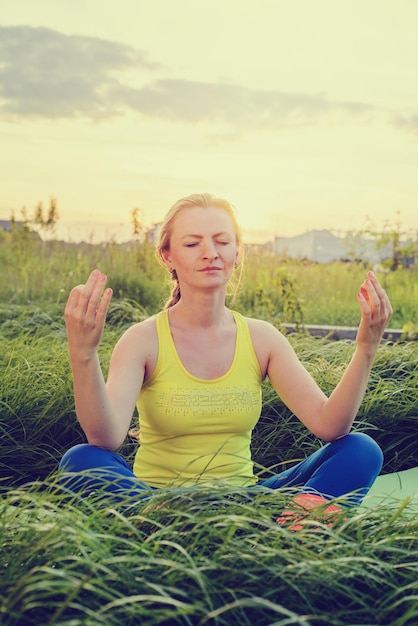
(345, 468)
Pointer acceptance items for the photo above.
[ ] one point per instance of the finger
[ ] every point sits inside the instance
(373, 286)
(91, 292)
(373, 278)
(368, 293)
(364, 301)
(364, 292)
(104, 304)
(374, 302)
(96, 293)
(385, 305)
(368, 299)
(73, 298)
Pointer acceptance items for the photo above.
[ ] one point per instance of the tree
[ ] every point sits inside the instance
(397, 242)
(136, 221)
(47, 221)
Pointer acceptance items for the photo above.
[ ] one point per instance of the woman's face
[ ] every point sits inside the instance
(203, 247)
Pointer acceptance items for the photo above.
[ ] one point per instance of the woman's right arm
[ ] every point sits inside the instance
(104, 417)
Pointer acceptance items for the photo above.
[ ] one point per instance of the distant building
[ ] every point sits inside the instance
(323, 246)
(6, 225)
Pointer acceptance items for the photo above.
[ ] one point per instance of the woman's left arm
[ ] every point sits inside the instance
(342, 406)
(332, 417)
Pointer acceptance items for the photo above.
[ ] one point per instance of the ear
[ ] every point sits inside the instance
(167, 259)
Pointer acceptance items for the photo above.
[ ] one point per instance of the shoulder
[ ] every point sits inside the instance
(267, 340)
(139, 343)
(142, 330)
(132, 358)
(260, 329)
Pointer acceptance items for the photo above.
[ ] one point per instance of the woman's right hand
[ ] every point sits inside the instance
(85, 315)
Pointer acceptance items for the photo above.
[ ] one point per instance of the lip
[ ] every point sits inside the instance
(209, 269)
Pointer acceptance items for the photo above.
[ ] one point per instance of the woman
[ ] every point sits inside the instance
(195, 372)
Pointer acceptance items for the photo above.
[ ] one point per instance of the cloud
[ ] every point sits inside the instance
(186, 101)
(407, 123)
(47, 74)
(44, 73)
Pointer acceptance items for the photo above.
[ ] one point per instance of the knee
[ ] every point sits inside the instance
(365, 451)
(77, 458)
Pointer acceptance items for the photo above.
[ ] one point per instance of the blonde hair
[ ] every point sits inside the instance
(197, 200)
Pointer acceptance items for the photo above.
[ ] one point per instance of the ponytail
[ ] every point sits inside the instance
(175, 292)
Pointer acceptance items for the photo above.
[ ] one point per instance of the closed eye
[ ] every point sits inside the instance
(219, 242)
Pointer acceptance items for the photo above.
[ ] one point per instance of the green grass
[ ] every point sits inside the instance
(195, 557)
(38, 423)
(326, 293)
(271, 287)
(202, 557)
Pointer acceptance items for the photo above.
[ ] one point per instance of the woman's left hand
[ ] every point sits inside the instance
(376, 311)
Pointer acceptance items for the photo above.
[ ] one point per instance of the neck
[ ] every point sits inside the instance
(200, 310)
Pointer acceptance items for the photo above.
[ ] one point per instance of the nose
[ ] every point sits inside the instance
(209, 250)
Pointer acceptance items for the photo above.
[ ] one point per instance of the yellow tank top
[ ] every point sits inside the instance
(195, 430)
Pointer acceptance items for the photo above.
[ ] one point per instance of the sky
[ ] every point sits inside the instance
(302, 113)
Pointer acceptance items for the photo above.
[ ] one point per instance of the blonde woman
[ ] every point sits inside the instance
(195, 371)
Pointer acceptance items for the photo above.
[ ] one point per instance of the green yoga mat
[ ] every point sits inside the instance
(394, 486)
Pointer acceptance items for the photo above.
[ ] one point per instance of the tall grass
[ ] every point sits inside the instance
(46, 271)
(38, 423)
(202, 557)
(389, 412)
(198, 556)
(271, 287)
(326, 292)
